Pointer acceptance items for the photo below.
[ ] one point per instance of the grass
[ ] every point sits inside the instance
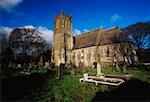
(33, 71)
(140, 75)
(141, 72)
(19, 72)
(69, 89)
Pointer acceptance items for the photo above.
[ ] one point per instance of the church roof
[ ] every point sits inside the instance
(98, 37)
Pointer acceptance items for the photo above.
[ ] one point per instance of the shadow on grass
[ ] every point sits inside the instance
(21, 88)
(17, 88)
(132, 90)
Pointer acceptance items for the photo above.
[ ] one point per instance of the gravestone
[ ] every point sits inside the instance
(19, 66)
(40, 63)
(30, 66)
(47, 64)
(85, 76)
(99, 70)
(62, 68)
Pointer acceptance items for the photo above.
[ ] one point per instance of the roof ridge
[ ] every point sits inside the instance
(87, 32)
(111, 28)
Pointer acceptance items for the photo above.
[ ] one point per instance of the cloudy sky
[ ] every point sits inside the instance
(87, 14)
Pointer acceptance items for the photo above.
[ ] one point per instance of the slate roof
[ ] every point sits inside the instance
(97, 37)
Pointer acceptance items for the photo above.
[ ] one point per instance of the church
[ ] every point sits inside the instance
(100, 46)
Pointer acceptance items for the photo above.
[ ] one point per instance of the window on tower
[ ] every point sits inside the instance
(57, 24)
(63, 22)
(107, 52)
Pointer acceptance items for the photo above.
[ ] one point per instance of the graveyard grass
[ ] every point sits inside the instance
(69, 89)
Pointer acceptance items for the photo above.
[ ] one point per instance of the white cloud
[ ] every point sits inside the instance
(115, 17)
(76, 32)
(85, 30)
(47, 33)
(28, 27)
(5, 30)
(7, 5)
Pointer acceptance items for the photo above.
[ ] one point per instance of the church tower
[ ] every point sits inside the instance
(62, 39)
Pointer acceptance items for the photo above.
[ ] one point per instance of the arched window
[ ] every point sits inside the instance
(98, 57)
(82, 54)
(107, 52)
(57, 24)
(89, 55)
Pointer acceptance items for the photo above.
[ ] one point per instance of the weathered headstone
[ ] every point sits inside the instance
(47, 64)
(124, 68)
(99, 73)
(85, 76)
(73, 71)
(62, 67)
(19, 66)
(135, 57)
(30, 66)
(40, 63)
(117, 67)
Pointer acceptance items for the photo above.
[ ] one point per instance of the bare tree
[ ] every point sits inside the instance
(122, 50)
(25, 42)
(139, 34)
(5, 51)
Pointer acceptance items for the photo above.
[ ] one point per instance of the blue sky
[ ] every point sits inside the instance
(87, 14)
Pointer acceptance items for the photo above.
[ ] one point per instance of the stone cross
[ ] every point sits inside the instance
(99, 70)
(85, 75)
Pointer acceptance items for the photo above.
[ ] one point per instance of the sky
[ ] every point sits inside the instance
(86, 14)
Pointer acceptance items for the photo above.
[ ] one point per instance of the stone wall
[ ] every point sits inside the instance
(105, 55)
(62, 39)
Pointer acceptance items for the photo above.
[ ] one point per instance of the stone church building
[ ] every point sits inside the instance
(99, 46)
